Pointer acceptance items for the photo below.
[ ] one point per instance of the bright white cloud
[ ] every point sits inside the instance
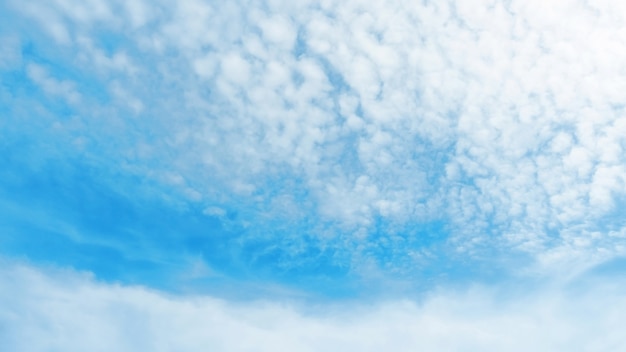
(62, 310)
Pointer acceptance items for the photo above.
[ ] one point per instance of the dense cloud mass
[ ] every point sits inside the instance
(79, 314)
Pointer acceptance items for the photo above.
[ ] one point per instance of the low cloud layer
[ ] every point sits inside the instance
(64, 310)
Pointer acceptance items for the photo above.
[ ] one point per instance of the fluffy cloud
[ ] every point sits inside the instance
(62, 310)
(502, 119)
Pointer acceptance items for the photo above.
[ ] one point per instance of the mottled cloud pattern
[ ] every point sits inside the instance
(329, 147)
(503, 120)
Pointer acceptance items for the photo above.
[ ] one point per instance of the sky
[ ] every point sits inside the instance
(312, 175)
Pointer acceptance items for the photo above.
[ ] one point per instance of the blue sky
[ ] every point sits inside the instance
(415, 163)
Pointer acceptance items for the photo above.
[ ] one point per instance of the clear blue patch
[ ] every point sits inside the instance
(613, 267)
(68, 213)
(300, 48)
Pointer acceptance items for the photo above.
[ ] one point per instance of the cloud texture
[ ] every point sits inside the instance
(502, 120)
(330, 147)
(79, 314)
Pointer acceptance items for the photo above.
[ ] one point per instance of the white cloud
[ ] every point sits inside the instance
(52, 86)
(279, 31)
(501, 117)
(44, 310)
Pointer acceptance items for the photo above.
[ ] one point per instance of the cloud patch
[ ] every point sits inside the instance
(501, 121)
(59, 309)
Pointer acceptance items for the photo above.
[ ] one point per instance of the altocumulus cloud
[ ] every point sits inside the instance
(353, 149)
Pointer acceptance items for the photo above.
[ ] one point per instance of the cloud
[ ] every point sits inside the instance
(502, 120)
(269, 152)
(44, 309)
(52, 86)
